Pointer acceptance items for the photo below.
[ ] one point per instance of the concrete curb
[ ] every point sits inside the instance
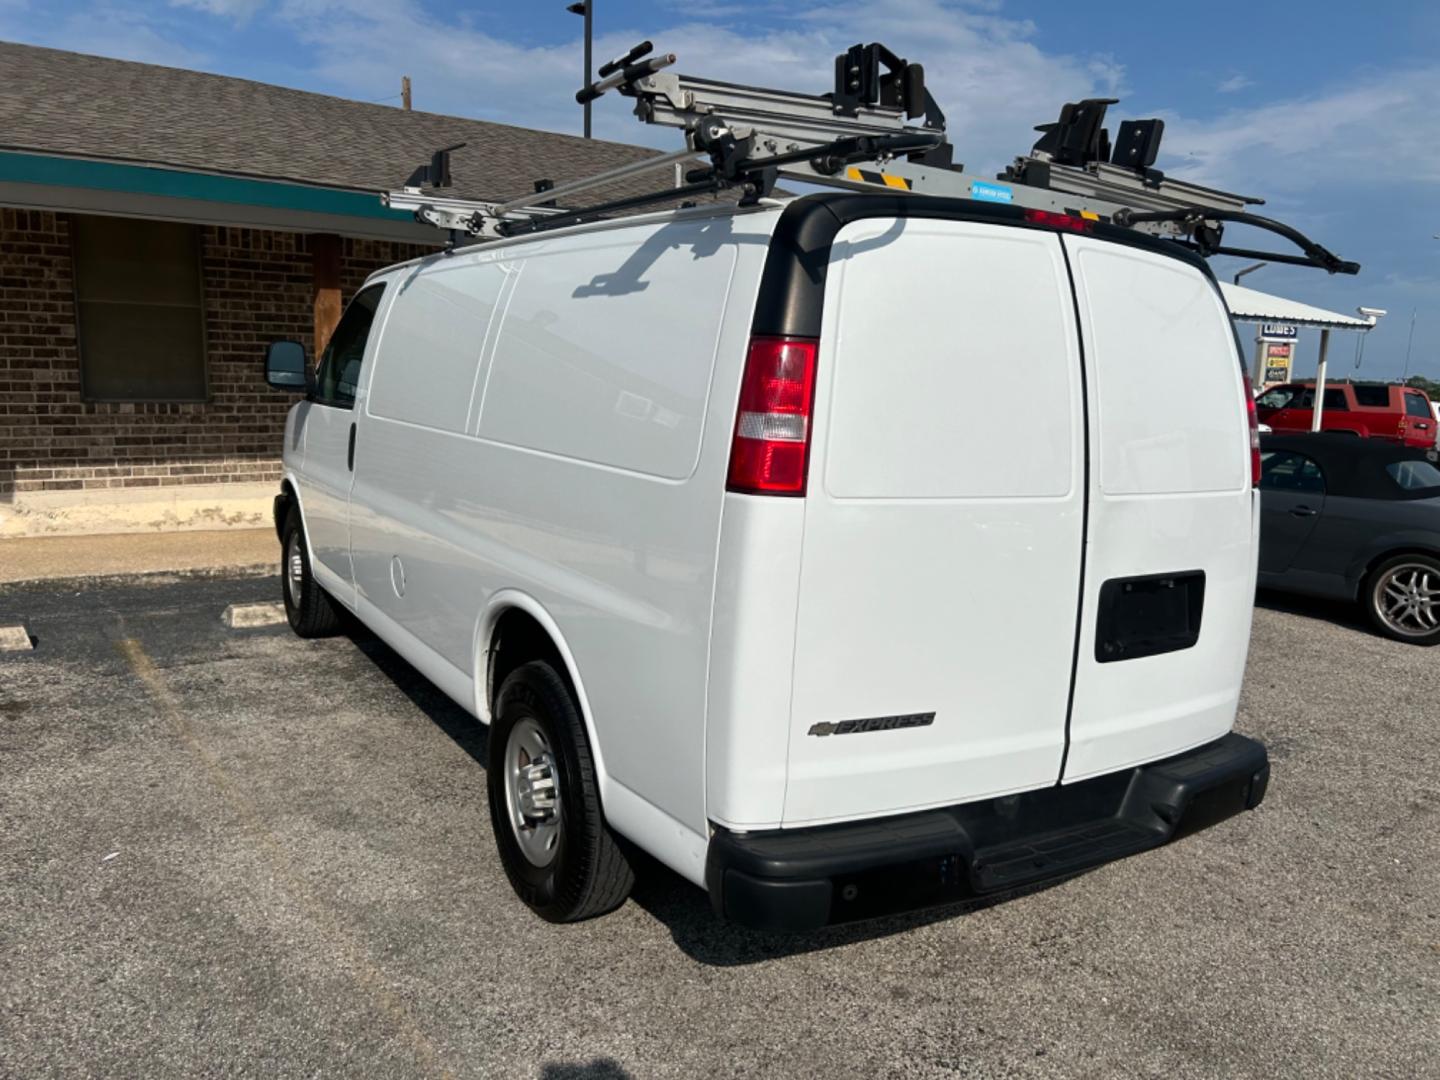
(15, 638)
(150, 577)
(249, 616)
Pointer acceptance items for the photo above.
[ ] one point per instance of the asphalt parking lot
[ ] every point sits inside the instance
(234, 852)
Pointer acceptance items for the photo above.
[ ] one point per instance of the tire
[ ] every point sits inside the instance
(559, 855)
(1402, 598)
(311, 611)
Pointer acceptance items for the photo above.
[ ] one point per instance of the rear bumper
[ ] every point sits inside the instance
(802, 879)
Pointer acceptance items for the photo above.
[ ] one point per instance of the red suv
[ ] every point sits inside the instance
(1371, 410)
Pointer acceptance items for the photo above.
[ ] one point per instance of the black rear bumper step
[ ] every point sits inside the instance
(802, 879)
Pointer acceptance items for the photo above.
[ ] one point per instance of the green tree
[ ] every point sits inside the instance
(1430, 386)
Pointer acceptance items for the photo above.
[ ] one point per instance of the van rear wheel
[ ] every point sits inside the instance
(1402, 598)
(308, 607)
(559, 855)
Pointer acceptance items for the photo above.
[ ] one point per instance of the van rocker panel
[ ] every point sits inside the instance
(802, 879)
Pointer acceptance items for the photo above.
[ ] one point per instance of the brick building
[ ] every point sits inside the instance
(157, 228)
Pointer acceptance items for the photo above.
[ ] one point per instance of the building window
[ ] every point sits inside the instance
(138, 303)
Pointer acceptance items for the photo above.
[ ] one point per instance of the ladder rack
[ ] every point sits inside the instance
(878, 129)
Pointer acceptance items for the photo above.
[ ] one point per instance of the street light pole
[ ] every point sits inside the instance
(1257, 375)
(1248, 270)
(584, 7)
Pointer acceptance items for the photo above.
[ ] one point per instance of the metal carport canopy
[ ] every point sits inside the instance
(1251, 305)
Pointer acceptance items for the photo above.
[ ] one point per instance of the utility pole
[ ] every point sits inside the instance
(1409, 340)
(583, 7)
(405, 92)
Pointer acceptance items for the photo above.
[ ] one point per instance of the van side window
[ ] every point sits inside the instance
(339, 372)
(1282, 470)
(1415, 405)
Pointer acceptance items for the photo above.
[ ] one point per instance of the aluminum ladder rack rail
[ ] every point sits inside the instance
(859, 136)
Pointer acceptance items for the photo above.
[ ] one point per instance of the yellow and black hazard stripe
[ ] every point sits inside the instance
(1088, 215)
(869, 176)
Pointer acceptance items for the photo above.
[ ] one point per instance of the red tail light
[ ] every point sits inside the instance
(772, 427)
(1068, 222)
(1254, 434)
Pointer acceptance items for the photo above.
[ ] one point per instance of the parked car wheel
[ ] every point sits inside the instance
(545, 802)
(1403, 598)
(311, 611)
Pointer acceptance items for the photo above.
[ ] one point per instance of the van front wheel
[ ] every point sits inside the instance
(545, 802)
(308, 607)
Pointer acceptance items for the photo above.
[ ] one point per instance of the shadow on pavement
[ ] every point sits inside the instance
(682, 907)
(1339, 612)
(599, 1069)
(468, 733)
(685, 911)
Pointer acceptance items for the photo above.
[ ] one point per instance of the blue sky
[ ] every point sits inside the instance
(1329, 111)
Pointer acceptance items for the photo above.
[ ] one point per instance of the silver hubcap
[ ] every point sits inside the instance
(1408, 599)
(294, 569)
(532, 792)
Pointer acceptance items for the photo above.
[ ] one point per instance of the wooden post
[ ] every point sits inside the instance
(325, 252)
(405, 92)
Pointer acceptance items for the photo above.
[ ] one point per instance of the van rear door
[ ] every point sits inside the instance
(1170, 559)
(943, 526)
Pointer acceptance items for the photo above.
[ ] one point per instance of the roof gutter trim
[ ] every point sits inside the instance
(55, 171)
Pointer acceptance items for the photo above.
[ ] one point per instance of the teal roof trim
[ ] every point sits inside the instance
(175, 183)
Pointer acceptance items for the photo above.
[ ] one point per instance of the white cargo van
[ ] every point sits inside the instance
(847, 554)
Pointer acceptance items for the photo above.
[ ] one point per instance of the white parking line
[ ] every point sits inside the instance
(249, 616)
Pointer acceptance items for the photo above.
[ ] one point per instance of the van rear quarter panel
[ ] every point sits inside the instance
(591, 478)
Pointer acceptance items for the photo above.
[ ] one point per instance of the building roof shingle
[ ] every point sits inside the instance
(57, 102)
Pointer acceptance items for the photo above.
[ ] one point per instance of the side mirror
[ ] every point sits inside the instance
(286, 366)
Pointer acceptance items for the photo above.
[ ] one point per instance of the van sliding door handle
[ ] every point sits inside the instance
(1299, 511)
(350, 455)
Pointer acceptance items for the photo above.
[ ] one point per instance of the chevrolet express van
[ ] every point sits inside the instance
(723, 521)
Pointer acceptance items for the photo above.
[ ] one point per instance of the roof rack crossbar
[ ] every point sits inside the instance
(609, 176)
(591, 213)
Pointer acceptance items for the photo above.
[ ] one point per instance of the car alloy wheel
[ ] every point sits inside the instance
(1407, 599)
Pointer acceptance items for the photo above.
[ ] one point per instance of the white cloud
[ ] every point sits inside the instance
(237, 10)
(992, 80)
(104, 29)
(1371, 131)
(1234, 83)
